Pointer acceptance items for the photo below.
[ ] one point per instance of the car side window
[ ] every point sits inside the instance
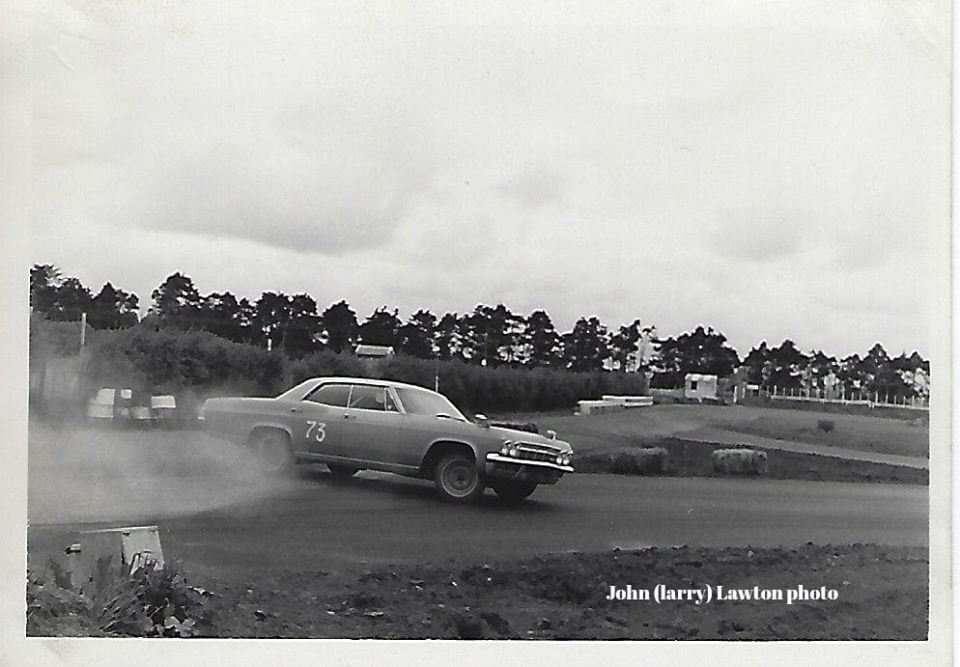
(366, 397)
(336, 395)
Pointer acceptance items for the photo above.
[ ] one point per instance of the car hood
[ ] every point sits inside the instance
(527, 436)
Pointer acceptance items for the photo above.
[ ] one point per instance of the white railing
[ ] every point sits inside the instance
(857, 398)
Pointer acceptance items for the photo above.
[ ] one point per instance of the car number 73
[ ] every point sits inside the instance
(317, 429)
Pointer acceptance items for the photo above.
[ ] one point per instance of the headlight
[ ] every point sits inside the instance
(560, 460)
(505, 450)
(514, 452)
(566, 460)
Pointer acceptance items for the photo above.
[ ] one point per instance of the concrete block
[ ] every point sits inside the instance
(129, 547)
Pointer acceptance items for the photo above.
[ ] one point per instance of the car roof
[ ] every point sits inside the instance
(301, 389)
(368, 381)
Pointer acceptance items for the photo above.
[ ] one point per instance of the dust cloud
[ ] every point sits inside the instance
(88, 473)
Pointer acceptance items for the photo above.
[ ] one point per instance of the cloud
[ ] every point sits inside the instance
(751, 235)
(760, 169)
(535, 187)
(330, 197)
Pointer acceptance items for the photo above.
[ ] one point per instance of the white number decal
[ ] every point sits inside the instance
(319, 427)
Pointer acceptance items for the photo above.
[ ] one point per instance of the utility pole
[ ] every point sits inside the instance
(83, 329)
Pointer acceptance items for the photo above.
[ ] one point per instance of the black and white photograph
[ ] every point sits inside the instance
(542, 329)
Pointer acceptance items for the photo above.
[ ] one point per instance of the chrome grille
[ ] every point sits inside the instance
(537, 452)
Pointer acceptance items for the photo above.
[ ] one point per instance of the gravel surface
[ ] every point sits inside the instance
(881, 593)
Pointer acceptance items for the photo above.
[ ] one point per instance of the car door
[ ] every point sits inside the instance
(320, 420)
(373, 424)
(427, 418)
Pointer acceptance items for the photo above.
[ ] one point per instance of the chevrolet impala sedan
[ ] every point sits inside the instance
(352, 424)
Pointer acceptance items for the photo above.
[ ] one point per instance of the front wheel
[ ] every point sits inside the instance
(512, 492)
(457, 478)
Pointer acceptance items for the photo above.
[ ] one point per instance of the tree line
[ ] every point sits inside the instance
(491, 336)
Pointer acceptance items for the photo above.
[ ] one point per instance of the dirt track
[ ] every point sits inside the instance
(316, 522)
(881, 594)
(231, 528)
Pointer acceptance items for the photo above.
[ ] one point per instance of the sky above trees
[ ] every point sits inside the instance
(778, 171)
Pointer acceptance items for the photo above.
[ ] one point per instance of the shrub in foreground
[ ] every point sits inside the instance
(147, 603)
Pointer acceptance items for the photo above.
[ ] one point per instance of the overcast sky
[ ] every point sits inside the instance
(769, 169)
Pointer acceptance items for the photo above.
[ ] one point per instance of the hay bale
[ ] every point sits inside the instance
(740, 461)
(641, 461)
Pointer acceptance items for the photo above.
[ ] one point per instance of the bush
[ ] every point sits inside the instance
(54, 339)
(825, 425)
(641, 461)
(148, 603)
(196, 364)
(188, 364)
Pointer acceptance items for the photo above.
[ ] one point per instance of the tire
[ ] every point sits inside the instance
(272, 448)
(341, 471)
(457, 478)
(512, 492)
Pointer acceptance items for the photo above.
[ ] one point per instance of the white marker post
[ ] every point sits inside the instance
(83, 328)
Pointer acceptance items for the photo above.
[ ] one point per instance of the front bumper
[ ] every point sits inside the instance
(521, 470)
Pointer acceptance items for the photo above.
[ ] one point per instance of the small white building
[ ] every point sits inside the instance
(699, 386)
(374, 351)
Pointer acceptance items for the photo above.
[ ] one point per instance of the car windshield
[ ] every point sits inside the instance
(422, 402)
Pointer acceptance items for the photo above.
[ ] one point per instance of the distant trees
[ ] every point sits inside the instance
(416, 337)
(490, 335)
(380, 328)
(700, 351)
(624, 345)
(586, 347)
(66, 299)
(340, 327)
(113, 308)
(447, 337)
(541, 341)
(877, 374)
(176, 301)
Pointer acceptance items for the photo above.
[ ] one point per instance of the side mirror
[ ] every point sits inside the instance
(551, 434)
(482, 420)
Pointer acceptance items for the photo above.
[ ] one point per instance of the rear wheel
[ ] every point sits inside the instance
(273, 451)
(341, 471)
(457, 478)
(512, 492)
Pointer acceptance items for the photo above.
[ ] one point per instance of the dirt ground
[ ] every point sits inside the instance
(881, 595)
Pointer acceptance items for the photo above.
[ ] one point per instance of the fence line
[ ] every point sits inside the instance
(915, 403)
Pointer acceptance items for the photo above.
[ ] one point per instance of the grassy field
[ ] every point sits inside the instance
(649, 426)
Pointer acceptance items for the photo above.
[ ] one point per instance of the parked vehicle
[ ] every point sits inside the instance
(352, 424)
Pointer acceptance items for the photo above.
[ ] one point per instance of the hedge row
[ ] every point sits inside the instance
(196, 364)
